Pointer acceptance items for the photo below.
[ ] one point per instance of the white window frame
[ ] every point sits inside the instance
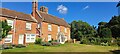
(28, 26)
(65, 29)
(9, 37)
(10, 23)
(39, 25)
(58, 29)
(49, 27)
(30, 37)
(49, 37)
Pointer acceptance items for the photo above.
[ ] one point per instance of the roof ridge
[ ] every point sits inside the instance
(15, 11)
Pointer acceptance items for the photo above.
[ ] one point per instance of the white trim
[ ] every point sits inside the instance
(31, 38)
(21, 39)
(9, 38)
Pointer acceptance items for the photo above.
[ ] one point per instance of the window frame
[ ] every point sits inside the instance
(50, 37)
(31, 38)
(10, 23)
(11, 36)
(28, 26)
(49, 27)
(58, 29)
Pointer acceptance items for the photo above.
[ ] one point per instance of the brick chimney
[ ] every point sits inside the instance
(34, 7)
(44, 9)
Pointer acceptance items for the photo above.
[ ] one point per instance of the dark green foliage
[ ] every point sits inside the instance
(81, 29)
(38, 41)
(20, 46)
(5, 28)
(46, 44)
(106, 33)
(114, 25)
(5, 46)
(118, 41)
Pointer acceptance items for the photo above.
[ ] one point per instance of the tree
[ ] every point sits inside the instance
(5, 28)
(106, 33)
(114, 25)
(80, 29)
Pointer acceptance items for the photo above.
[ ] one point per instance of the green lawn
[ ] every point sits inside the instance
(64, 48)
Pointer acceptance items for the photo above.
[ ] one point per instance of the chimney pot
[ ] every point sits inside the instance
(44, 9)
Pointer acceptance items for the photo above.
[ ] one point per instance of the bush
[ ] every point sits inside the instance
(85, 41)
(118, 41)
(46, 44)
(20, 46)
(38, 41)
(55, 43)
(5, 46)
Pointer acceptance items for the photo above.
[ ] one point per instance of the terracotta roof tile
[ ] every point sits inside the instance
(53, 19)
(20, 15)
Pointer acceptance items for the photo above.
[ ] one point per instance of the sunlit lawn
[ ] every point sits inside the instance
(64, 48)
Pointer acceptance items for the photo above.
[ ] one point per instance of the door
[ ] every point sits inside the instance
(21, 39)
(49, 37)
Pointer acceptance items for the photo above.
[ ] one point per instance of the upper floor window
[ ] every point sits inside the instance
(28, 26)
(58, 28)
(10, 23)
(49, 27)
(65, 30)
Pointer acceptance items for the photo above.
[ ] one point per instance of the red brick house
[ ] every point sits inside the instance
(26, 28)
(22, 26)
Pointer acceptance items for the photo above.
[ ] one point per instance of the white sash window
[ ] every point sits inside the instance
(30, 38)
(28, 26)
(8, 39)
(49, 27)
(58, 28)
(10, 23)
(65, 30)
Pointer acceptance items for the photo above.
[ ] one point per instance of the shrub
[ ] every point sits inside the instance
(118, 41)
(85, 41)
(38, 41)
(55, 43)
(5, 46)
(20, 46)
(46, 44)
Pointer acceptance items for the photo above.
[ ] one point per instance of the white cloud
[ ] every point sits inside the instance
(86, 7)
(62, 9)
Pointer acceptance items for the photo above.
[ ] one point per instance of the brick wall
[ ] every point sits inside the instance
(20, 26)
(54, 31)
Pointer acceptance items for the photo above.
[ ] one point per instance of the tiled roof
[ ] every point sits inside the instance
(53, 19)
(20, 15)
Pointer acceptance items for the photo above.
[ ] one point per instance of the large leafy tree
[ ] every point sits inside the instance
(114, 25)
(80, 29)
(4, 29)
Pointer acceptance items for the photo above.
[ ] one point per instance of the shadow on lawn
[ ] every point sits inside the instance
(115, 51)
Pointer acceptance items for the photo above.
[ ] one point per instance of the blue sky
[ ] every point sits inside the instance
(90, 12)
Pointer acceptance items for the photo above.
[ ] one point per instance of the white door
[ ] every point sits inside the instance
(49, 37)
(21, 39)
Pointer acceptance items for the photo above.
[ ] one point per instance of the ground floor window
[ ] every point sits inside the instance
(8, 39)
(49, 37)
(30, 37)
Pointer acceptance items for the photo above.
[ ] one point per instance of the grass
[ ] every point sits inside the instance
(69, 47)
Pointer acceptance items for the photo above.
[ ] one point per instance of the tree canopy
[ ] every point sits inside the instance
(5, 28)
